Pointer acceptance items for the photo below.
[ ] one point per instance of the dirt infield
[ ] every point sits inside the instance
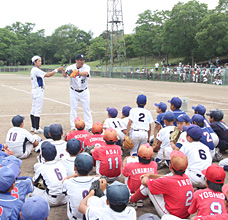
(16, 99)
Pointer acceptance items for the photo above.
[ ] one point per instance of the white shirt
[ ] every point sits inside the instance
(80, 82)
(16, 138)
(124, 122)
(37, 77)
(141, 119)
(60, 148)
(68, 163)
(182, 139)
(156, 65)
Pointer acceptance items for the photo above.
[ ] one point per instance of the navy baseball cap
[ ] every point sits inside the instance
(141, 99)
(193, 131)
(176, 102)
(200, 109)
(117, 193)
(162, 106)
(126, 110)
(17, 120)
(73, 146)
(8, 174)
(113, 112)
(168, 116)
(35, 208)
(11, 159)
(198, 118)
(47, 131)
(184, 117)
(80, 57)
(48, 151)
(216, 114)
(56, 129)
(84, 161)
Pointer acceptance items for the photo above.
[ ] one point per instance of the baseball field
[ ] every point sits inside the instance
(105, 92)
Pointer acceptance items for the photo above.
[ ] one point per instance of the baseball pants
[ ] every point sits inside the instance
(215, 139)
(138, 137)
(223, 162)
(84, 98)
(196, 177)
(37, 101)
(171, 217)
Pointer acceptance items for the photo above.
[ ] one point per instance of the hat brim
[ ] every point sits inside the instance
(194, 107)
(185, 128)
(169, 101)
(156, 104)
(204, 172)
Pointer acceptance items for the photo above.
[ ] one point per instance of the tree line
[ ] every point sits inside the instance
(189, 30)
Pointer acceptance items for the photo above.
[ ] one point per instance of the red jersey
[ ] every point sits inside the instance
(136, 169)
(94, 140)
(207, 202)
(79, 135)
(212, 217)
(108, 160)
(177, 192)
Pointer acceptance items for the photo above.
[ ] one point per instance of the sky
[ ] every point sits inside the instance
(87, 15)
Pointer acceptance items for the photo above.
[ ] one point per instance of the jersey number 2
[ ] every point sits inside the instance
(189, 196)
(141, 117)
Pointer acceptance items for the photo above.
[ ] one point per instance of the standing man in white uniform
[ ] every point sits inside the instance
(37, 80)
(79, 90)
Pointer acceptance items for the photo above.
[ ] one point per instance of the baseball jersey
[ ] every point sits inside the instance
(182, 139)
(10, 207)
(16, 139)
(115, 123)
(159, 120)
(177, 192)
(94, 140)
(124, 122)
(108, 160)
(1, 146)
(141, 119)
(52, 173)
(68, 163)
(207, 140)
(207, 202)
(37, 77)
(101, 213)
(198, 154)
(164, 136)
(176, 113)
(76, 189)
(212, 217)
(79, 135)
(134, 170)
(207, 124)
(79, 82)
(60, 148)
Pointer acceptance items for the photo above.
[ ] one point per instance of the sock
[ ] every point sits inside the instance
(37, 122)
(137, 196)
(32, 120)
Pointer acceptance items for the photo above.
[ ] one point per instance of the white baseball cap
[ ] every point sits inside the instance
(35, 58)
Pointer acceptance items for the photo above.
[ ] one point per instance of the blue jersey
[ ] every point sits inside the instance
(159, 120)
(176, 113)
(10, 207)
(207, 139)
(207, 125)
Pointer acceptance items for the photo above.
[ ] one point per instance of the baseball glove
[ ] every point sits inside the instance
(73, 73)
(127, 143)
(175, 135)
(88, 149)
(96, 187)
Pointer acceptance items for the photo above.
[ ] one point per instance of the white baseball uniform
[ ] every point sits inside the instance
(141, 119)
(76, 189)
(68, 163)
(79, 91)
(199, 158)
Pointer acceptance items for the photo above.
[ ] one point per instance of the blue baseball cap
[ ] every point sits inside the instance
(47, 131)
(176, 102)
(56, 129)
(216, 114)
(200, 109)
(113, 112)
(198, 118)
(126, 110)
(17, 120)
(141, 99)
(8, 174)
(193, 131)
(35, 208)
(162, 106)
(73, 146)
(48, 151)
(84, 162)
(184, 117)
(117, 193)
(168, 116)
(11, 159)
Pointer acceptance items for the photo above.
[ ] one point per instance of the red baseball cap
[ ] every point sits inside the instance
(215, 173)
(179, 160)
(145, 151)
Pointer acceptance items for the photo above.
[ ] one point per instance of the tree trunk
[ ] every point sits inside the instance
(192, 60)
(144, 59)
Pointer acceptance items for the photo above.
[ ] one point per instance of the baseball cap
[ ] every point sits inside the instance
(80, 57)
(193, 131)
(17, 120)
(176, 102)
(117, 193)
(179, 160)
(47, 131)
(35, 208)
(148, 216)
(145, 151)
(200, 109)
(56, 129)
(73, 146)
(168, 116)
(48, 151)
(216, 114)
(162, 106)
(126, 110)
(214, 173)
(141, 99)
(198, 118)
(184, 117)
(84, 161)
(8, 174)
(34, 58)
(112, 112)
(11, 159)
(97, 128)
(110, 134)
(79, 123)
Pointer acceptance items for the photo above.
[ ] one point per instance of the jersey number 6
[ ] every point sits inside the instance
(58, 174)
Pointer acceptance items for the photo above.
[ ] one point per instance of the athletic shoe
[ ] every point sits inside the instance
(89, 130)
(133, 205)
(218, 156)
(161, 164)
(32, 129)
(139, 203)
(39, 131)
